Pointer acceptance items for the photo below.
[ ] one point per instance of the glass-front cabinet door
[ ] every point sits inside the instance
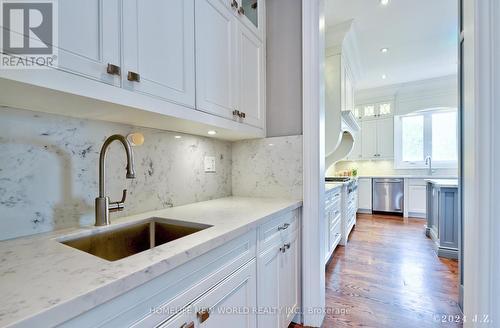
(252, 15)
(374, 110)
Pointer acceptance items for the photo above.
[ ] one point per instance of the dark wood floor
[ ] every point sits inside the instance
(389, 276)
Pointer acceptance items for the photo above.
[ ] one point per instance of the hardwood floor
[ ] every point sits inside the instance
(388, 276)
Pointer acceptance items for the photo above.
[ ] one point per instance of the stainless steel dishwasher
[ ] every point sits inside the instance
(388, 195)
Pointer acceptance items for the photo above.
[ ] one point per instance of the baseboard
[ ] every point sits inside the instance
(417, 215)
(447, 253)
(364, 211)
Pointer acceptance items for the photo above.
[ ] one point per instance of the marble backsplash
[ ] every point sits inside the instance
(270, 167)
(49, 171)
(373, 168)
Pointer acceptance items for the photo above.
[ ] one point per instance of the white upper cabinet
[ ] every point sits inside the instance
(89, 39)
(369, 139)
(251, 77)
(158, 49)
(377, 139)
(385, 138)
(251, 13)
(356, 153)
(215, 58)
(230, 79)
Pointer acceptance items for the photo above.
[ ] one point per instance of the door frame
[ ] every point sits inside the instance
(481, 153)
(313, 109)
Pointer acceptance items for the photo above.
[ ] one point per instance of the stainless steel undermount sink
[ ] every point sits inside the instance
(124, 240)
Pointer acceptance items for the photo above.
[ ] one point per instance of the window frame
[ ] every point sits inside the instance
(398, 141)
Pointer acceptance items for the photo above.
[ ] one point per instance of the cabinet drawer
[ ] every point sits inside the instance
(333, 196)
(278, 229)
(171, 291)
(335, 234)
(334, 218)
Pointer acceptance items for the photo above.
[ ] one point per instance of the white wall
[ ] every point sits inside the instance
(284, 67)
(414, 96)
(49, 171)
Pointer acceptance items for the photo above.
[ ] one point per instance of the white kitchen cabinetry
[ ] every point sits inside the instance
(216, 62)
(225, 304)
(377, 138)
(333, 212)
(364, 195)
(251, 77)
(181, 65)
(230, 65)
(87, 47)
(158, 45)
(416, 195)
(278, 272)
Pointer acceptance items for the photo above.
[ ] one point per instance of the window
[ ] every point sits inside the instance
(428, 133)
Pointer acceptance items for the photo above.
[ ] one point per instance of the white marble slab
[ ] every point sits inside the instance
(270, 167)
(38, 273)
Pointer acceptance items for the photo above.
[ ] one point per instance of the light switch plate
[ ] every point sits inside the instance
(209, 164)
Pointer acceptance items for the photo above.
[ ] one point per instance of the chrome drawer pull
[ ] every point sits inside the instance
(284, 227)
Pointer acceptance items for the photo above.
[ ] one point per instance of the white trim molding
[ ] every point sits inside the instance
(313, 57)
(481, 151)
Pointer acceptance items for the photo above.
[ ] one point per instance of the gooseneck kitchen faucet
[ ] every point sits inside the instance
(102, 204)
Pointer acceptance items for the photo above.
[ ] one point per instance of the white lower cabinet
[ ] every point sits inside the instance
(231, 303)
(333, 214)
(365, 195)
(278, 279)
(417, 195)
(233, 285)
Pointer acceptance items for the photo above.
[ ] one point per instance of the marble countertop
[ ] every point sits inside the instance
(444, 183)
(39, 275)
(333, 185)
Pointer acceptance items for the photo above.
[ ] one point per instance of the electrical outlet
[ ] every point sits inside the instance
(209, 164)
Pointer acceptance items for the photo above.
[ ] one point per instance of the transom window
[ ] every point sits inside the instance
(431, 133)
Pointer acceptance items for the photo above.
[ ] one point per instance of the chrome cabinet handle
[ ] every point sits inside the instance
(113, 69)
(133, 77)
(243, 115)
(241, 11)
(236, 113)
(287, 246)
(234, 4)
(203, 315)
(284, 227)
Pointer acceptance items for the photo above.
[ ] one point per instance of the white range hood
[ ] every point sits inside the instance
(349, 129)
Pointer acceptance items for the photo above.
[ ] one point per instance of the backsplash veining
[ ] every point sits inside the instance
(49, 171)
(270, 167)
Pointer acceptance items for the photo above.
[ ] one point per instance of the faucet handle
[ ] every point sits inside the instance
(118, 206)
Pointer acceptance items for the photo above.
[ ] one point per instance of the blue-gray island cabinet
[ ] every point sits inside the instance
(442, 216)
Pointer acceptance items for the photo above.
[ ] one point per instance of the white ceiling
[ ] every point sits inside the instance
(421, 36)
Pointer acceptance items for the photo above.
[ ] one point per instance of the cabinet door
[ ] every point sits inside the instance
(417, 199)
(289, 274)
(89, 38)
(385, 138)
(269, 281)
(252, 14)
(224, 305)
(216, 82)
(251, 77)
(365, 194)
(369, 136)
(158, 44)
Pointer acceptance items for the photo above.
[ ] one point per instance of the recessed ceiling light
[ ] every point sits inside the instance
(384, 76)
(212, 132)
(384, 2)
(384, 50)
(271, 144)
(177, 137)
